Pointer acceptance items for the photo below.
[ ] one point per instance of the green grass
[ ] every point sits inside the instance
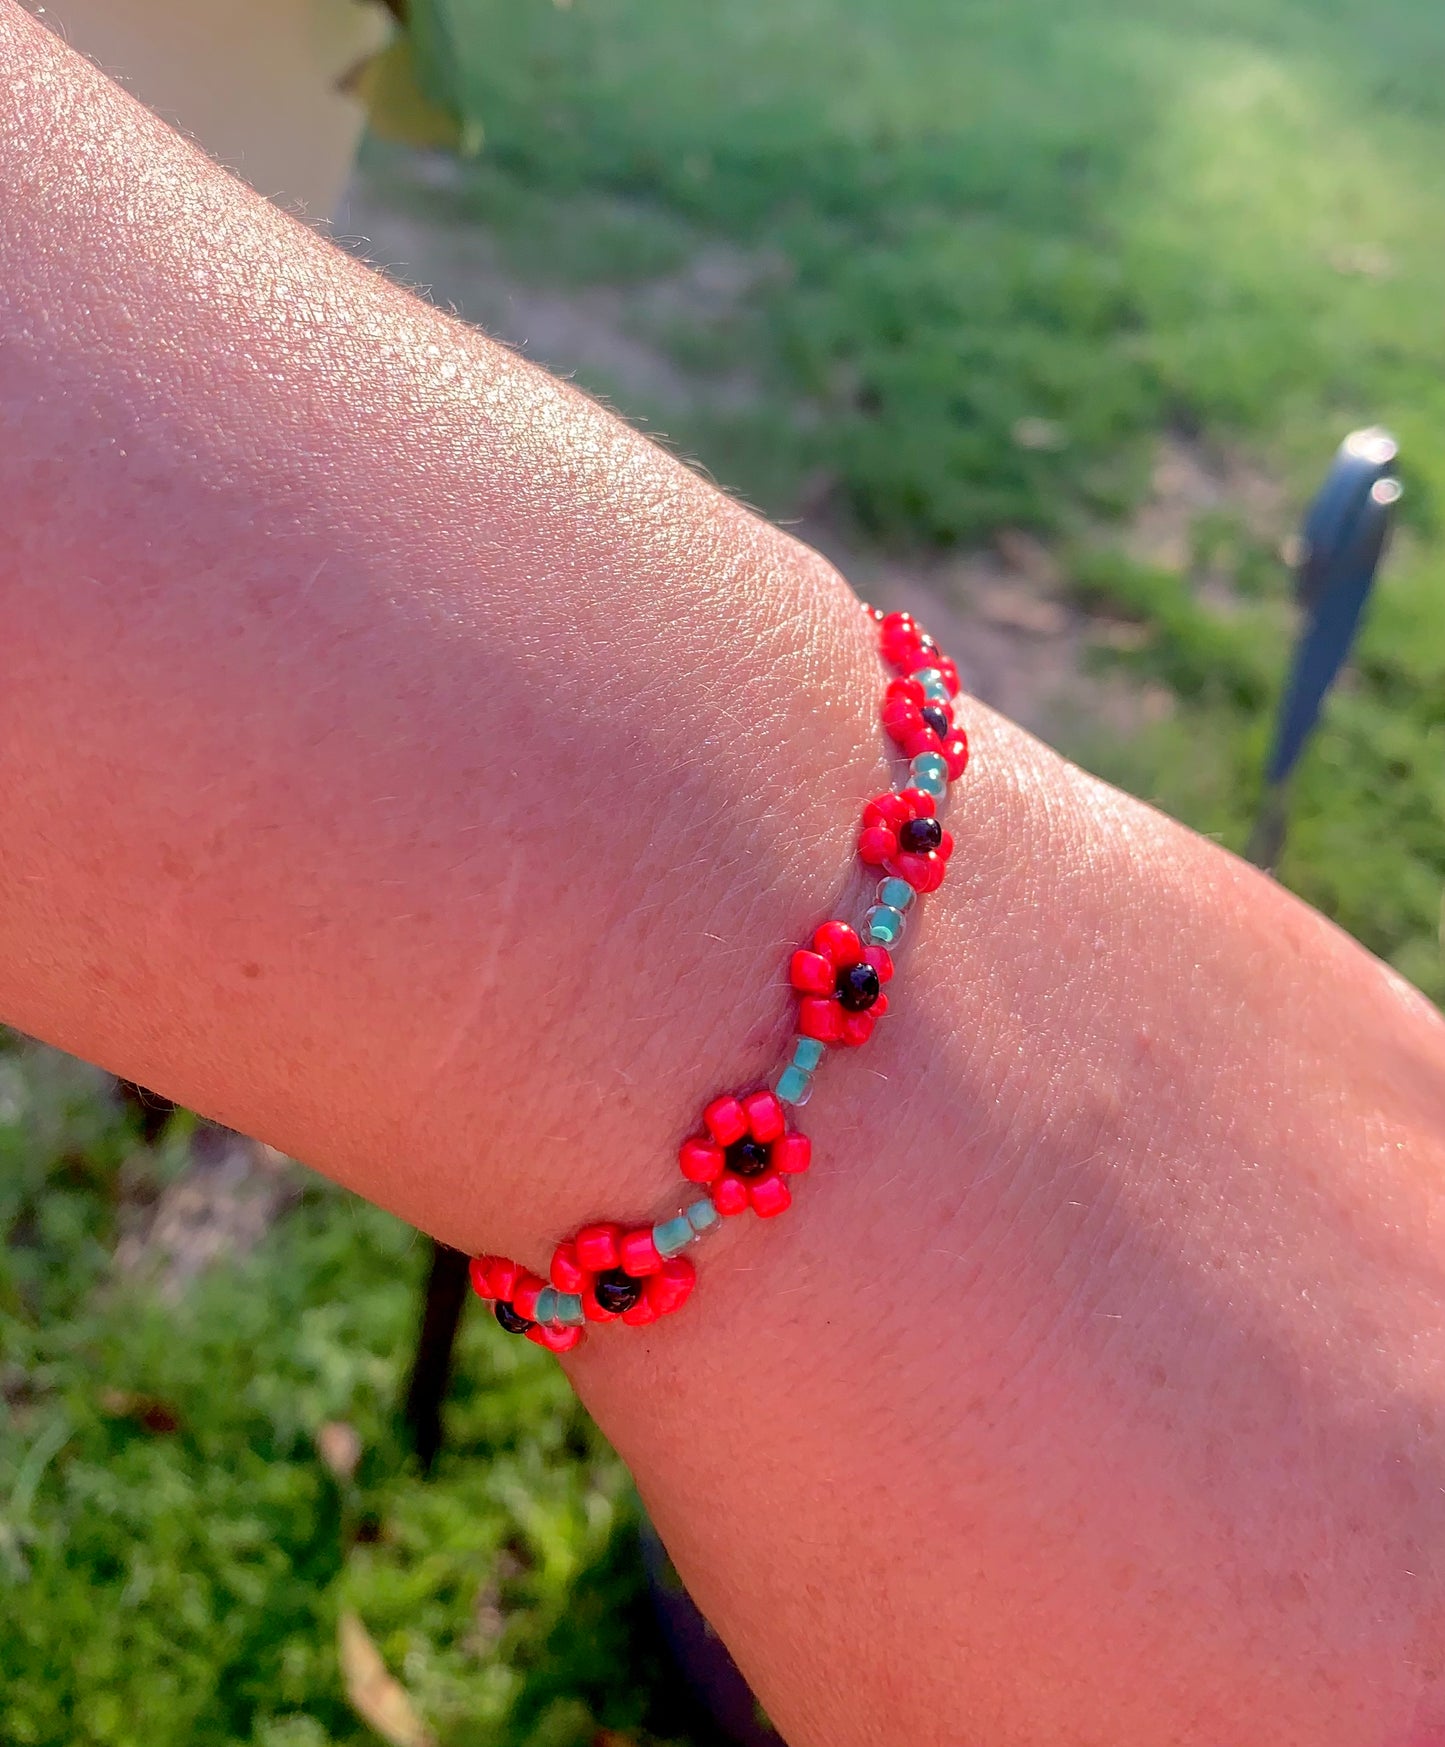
(1220, 220)
(173, 1553)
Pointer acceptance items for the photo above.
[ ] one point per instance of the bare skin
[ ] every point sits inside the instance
(403, 761)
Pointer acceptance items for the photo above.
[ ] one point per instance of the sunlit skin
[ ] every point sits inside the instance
(405, 762)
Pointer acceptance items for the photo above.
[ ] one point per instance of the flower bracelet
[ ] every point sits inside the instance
(746, 1151)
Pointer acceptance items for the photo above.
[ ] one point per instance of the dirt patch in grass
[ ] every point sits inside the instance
(1007, 609)
(413, 225)
(220, 1206)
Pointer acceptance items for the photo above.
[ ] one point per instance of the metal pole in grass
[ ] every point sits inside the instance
(1342, 541)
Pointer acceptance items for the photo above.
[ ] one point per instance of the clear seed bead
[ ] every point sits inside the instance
(672, 1235)
(703, 1217)
(897, 894)
(808, 1053)
(794, 1085)
(569, 1309)
(883, 925)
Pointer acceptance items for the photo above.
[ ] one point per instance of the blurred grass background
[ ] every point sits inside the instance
(941, 279)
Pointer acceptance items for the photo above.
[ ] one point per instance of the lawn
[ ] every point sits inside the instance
(983, 257)
(969, 264)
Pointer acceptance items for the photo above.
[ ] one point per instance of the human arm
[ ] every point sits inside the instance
(403, 761)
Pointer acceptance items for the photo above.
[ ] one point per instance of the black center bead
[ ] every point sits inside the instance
(616, 1291)
(937, 720)
(749, 1157)
(511, 1320)
(858, 987)
(920, 836)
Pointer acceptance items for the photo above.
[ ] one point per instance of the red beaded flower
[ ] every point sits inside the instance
(841, 984)
(912, 721)
(901, 835)
(619, 1273)
(513, 1291)
(918, 725)
(745, 1154)
(907, 646)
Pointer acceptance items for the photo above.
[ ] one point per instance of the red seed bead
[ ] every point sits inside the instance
(477, 1269)
(949, 671)
(819, 1017)
(899, 637)
(565, 1273)
(502, 1278)
(955, 750)
(902, 719)
(702, 1160)
(766, 1119)
(811, 972)
(725, 1120)
(919, 804)
(555, 1340)
(876, 844)
(904, 653)
(905, 691)
(639, 1253)
(920, 740)
(838, 944)
(793, 1153)
(945, 847)
(597, 1249)
(592, 1310)
(730, 1195)
(667, 1290)
(857, 1028)
(923, 872)
(770, 1196)
(878, 957)
(890, 810)
(524, 1294)
(640, 1314)
(936, 867)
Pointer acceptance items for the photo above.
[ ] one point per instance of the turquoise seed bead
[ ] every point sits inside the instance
(672, 1235)
(883, 925)
(703, 1217)
(935, 687)
(895, 893)
(807, 1053)
(930, 764)
(794, 1085)
(929, 784)
(569, 1309)
(546, 1310)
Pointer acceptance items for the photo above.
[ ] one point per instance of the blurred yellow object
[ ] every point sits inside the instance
(265, 86)
(376, 1695)
(400, 110)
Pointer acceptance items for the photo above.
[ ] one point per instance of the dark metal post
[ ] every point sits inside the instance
(1342, 542)
(446, 1297)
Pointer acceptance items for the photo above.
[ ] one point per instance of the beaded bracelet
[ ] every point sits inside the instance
(746, 1150)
